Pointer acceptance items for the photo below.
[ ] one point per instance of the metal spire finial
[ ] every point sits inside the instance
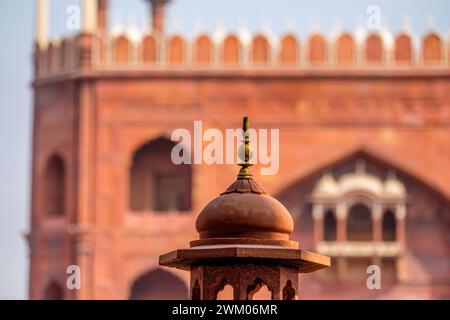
(244, 152)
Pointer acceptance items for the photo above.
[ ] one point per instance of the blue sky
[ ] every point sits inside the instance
(16, 35)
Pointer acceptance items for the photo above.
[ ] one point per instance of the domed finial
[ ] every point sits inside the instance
(244, 152)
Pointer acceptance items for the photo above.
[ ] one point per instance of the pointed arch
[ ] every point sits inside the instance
(149, 49)
(122, 49)
(403, 49)
(317, 49)
(289, 50)
(345, 49)
(203, 50)
(54, 187)
(432, 49)
(260, 50)
(374, 49)
(231, 50)
(176, 50)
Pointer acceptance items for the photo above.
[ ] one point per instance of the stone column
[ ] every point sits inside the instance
(377, 220)
(318, 213)
(341, 217)
(400, 215)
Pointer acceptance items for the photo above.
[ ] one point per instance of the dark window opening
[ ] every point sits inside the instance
(330, 226)
(359, 224)
(156, 183)
(389, 226)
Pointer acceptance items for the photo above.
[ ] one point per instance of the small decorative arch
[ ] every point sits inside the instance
(359, 223)
(54, 187)
(403, 49)
(432, 49)
(330, 226)
(203, 50)
(158, 284)
(317, 49)
(289, 291)
(231, 50)
(259, 291)
(389, 226)
(196, 291)
(260, 50)
(223, 291)
(122, 49)
(149, 49)
(374, 49)
(289, 50)
(345, 49)
(176, 50)
(53, 291)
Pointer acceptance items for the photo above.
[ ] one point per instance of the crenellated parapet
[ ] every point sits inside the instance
(234, 51)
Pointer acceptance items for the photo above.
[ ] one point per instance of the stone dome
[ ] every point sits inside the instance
(245, 211)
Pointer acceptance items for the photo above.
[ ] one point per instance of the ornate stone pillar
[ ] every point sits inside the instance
(318, 213)
(341, 217)
(400, 215)
(377, 220)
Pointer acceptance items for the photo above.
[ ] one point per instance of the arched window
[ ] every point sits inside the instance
(159, 285)
(330, 226)
(389, 226)
(359, 224)
(54, 187)
(156, 184)
(53, 291)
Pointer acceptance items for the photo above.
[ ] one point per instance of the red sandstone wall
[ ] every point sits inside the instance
(402, 118)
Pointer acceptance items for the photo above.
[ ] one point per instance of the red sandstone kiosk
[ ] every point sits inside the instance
(244, 242)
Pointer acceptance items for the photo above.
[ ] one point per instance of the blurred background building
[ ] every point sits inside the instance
(364, 121)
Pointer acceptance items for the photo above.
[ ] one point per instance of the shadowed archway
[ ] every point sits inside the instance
(158, 284)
